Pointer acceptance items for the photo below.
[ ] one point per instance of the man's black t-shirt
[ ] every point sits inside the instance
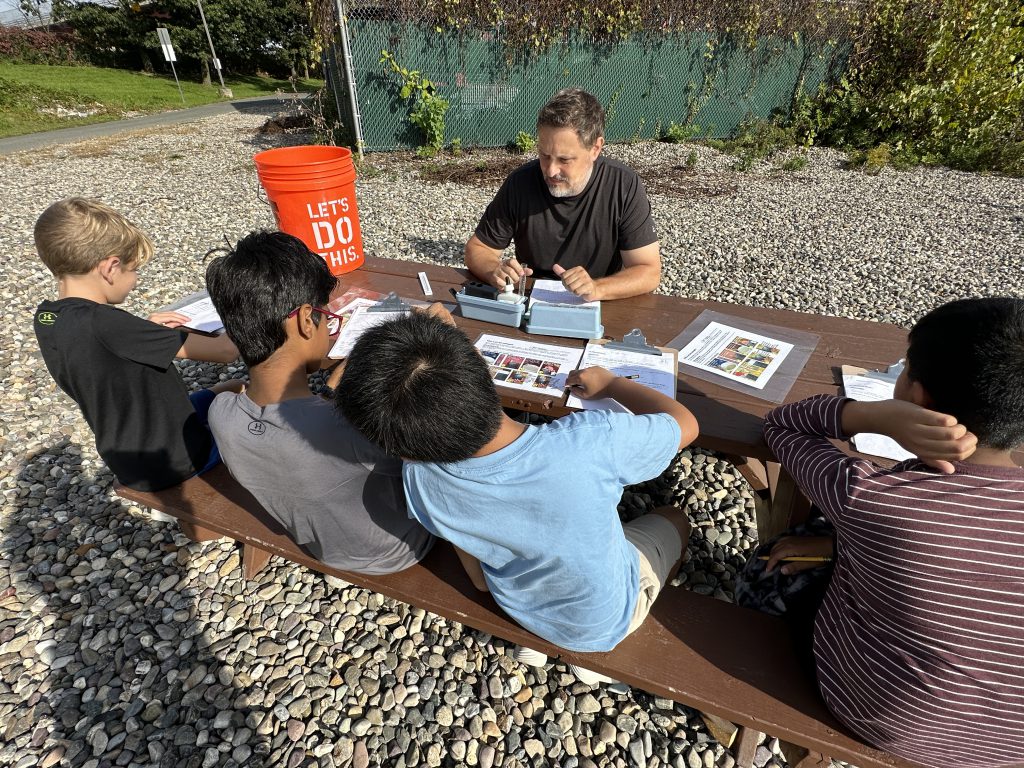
(612, 214)
(119, 368)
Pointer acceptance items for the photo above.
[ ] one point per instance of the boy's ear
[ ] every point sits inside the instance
(918, 395)
(108, 268)
(304, 325)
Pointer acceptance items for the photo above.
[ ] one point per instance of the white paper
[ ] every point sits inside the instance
(655, 371)
(553, 292)
(359, 322)
(537, 368)
(201, 315)
(867, 389)
(743, 357)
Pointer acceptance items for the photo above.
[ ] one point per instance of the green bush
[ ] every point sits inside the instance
(524, 143)
(937, 83)
(680, 134)
(428, 108)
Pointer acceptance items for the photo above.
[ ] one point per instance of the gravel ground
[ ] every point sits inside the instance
(121, 643)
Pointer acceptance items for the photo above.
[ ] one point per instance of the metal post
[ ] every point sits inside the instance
(209, 39)
(350, 76)
(175, 73)
(165, 44)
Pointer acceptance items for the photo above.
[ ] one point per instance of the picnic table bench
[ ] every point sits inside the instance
(733, 663)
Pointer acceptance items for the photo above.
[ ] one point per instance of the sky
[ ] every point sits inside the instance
(9, 11)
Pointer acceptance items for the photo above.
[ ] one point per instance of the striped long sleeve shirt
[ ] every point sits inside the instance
(919, 642)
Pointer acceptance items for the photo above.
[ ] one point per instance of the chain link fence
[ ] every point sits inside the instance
(675, 62)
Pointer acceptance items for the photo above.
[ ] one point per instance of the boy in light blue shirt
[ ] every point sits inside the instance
(531, 510)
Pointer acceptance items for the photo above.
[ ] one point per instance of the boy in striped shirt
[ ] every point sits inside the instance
(918, 641)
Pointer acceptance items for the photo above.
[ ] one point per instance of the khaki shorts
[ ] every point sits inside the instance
(659, 545)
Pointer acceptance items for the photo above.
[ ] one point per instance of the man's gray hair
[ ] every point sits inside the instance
(574, 108)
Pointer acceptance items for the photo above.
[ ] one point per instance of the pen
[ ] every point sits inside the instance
(632, 376)
(801, 559)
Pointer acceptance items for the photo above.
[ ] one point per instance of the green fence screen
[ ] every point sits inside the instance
(645, 82)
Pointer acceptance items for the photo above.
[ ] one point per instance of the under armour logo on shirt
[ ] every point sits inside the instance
(257, 428)
(47, 318)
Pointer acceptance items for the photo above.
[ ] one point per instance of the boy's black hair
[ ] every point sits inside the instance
(969, 357)
(419, 389)
(257, 283)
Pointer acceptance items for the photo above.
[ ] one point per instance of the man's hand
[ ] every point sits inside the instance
(579, 281)
(936, 438)
(437, 310)
(799, 546)
(508, 269)
(591, 383)
(169, 319)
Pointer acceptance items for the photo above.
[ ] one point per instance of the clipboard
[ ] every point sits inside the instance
(390, 303)
(656, 367)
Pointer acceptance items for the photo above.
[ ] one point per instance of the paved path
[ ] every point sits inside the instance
(82, 132)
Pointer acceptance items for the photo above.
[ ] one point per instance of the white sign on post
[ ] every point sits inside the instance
(165, 43)
(216, 63)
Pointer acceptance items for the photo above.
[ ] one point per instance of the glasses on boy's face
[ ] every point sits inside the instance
(333, 321)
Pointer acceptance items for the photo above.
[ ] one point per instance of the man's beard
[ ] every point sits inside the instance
(564, 190)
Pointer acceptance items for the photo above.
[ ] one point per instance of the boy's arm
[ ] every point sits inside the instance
(597, 382)
(472, 566)
(936, 438)
(211, 349)
(798, 434)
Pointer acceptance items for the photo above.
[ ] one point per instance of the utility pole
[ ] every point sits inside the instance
(224, 90)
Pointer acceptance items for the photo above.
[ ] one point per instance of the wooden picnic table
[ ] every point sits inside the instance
(730, 421)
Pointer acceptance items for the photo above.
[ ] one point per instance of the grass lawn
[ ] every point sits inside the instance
(38, 97)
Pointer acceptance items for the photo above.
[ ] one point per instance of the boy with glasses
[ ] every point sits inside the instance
(338, 495)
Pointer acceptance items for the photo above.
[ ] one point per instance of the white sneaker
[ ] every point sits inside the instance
(591, 678)
(529, 657)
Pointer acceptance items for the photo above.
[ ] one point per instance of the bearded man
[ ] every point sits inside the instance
(573, 214)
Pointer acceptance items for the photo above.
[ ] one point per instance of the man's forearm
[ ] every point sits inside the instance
(481, 260)
(629, 281)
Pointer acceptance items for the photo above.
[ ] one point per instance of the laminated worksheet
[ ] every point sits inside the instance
(657, 371)
(199, 309)
(859, 384)
(741, 356)
(527, 365)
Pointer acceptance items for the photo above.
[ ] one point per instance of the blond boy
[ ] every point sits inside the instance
(119, 368)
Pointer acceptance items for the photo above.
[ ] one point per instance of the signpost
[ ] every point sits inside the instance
(165, 43)
(224, 90)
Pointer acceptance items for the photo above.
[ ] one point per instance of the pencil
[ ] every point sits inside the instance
(801, 559)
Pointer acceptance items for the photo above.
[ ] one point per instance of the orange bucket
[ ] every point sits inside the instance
(312, 191)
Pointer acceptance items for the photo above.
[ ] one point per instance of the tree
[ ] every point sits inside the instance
(248, 35)
(109, 35)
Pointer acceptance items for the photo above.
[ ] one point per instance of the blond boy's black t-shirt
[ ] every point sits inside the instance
(612, 214)
(119, 368)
